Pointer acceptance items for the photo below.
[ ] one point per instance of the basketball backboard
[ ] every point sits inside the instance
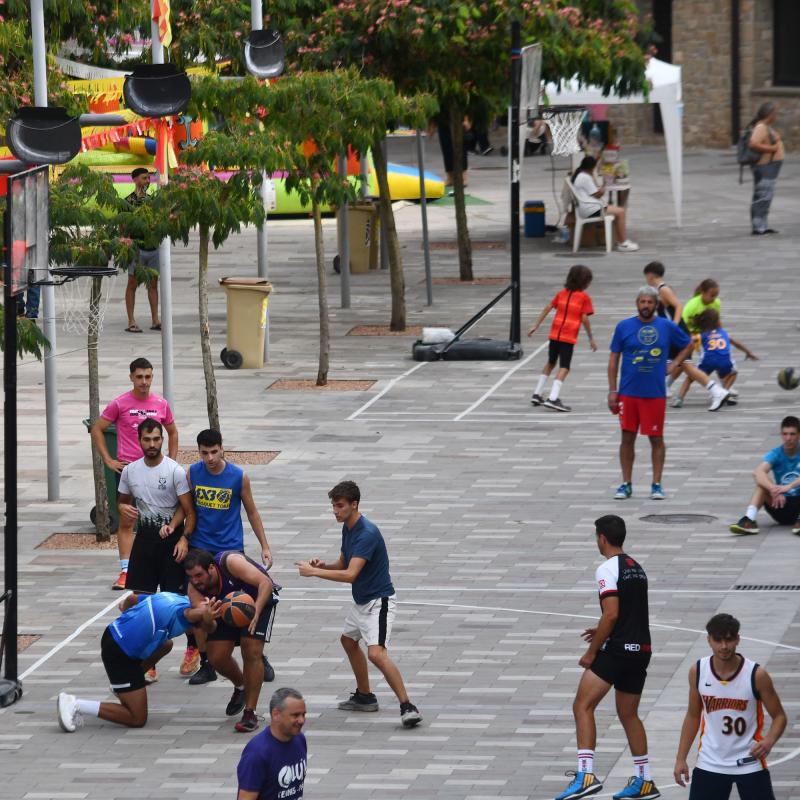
(27, 225)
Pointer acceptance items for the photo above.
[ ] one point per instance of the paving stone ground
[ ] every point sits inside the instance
(487, 506)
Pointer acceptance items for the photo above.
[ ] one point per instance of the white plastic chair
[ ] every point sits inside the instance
(604, 218)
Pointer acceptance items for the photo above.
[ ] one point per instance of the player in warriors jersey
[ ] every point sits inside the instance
(618, 655)
(727, 695)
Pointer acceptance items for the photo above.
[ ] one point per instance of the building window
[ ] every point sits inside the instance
(786, 66)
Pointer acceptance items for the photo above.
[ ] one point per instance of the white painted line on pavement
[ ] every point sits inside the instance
(385, 389)
(499, 383)
(77, 632)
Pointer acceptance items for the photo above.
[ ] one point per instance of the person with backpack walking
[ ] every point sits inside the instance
(766, 142)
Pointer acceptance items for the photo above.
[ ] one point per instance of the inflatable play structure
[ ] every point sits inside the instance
(119, 150)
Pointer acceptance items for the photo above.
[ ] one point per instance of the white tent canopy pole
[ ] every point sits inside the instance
(665, 89)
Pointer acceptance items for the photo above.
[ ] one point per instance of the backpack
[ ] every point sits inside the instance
(745, 155)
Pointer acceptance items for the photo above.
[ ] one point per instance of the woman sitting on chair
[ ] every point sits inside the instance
(591, 203)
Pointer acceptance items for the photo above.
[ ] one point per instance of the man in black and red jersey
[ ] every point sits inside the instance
(216, 576)
(618, 654)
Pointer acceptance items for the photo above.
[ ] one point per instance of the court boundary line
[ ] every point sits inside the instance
(385, 389)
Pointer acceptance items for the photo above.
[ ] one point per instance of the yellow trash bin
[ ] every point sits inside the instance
(362, 221)
(247, 321)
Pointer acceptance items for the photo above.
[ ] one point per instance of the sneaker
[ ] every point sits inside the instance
(205, 674)
(556, 405)
(733, 398)
(677, 402)
(638, 788)
(269, 673)
(627, 247)
(191, 661)
(235, 704)
(537, 400)
(409, 715)
(624, 492)
(796, 528)
(119, 583)
(151, 676)
(248, 723)
(745, 526)
(359, 702)
(718, 397)
(69, 718)
(657, 492)
(584, 785)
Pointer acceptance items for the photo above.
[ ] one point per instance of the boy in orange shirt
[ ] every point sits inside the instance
(573, 308)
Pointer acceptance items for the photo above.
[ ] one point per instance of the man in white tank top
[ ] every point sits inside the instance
(727, 697)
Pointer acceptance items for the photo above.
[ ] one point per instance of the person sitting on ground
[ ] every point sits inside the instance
(780, 497)
(715, 345)
(591, 203)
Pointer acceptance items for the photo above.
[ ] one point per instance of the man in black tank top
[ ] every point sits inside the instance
(618, 654)
(669, 306)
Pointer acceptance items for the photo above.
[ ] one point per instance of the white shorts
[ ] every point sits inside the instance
(371, 621)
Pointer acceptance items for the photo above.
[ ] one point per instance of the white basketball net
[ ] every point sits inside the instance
(564, 127)
(73, 303)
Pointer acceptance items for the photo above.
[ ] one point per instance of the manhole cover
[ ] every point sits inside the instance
(679, 519)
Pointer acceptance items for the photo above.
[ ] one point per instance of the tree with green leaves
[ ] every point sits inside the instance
(460, 52)
(87, 218)
(197, 198)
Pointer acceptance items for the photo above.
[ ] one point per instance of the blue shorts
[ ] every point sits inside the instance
(722, 368)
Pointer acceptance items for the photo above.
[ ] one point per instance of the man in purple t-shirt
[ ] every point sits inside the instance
(273, 764)
(126, 412)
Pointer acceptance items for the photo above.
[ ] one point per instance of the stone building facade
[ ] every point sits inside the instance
(701, 36)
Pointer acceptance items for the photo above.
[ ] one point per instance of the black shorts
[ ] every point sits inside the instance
(752, 786)
(788, 514)
(152, 567)
(562, 351)
(228, 633)
(625, 674)
(124, 673)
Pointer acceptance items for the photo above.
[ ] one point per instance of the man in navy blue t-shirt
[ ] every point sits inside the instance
(364, 563)
(273, 765)
(643, 343)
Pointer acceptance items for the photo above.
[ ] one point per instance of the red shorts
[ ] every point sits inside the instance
(645, 414)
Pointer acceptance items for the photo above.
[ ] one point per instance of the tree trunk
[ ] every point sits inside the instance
(322, 289)
(396, 278)
(462, 231)
(102, 517)
(205, 336)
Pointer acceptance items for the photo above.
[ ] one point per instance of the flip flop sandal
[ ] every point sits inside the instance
(155, 327)
(133, 329)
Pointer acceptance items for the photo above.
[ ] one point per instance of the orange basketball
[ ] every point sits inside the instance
(238, 609)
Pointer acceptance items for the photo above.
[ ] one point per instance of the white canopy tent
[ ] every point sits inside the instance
(665, 89)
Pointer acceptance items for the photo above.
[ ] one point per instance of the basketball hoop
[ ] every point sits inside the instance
(78, 313)
(564, 123)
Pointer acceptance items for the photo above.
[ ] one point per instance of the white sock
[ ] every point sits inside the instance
(710, 386)
(641, 767)
(123, 564)
(540, 384)
(556, 389)
(586, 761)
(91, 708)
(751, 513)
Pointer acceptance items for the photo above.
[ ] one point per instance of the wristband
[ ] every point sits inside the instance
(613, 391)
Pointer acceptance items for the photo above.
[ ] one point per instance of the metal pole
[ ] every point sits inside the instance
(384, 243)
(363, 168)
(516, 72)
(423, 204)
(343, 233)
(164, 256)
(10, 459)
(48, 292)
(262, 250)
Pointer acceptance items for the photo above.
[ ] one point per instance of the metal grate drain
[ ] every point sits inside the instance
(679, 519)
(766, 587)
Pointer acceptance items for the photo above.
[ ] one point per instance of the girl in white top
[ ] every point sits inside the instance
(591, 202)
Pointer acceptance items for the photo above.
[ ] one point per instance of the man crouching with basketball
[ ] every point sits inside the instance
(134, 643)
(217, 576)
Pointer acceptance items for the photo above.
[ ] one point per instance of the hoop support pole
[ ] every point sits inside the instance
(513, 151)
